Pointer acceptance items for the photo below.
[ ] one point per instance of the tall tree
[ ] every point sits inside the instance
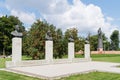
(74, 33)
(58, 44)
(7, 24)
(114, 40)
(34, 44)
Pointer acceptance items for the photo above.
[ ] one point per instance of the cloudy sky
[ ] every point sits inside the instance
(86, 15)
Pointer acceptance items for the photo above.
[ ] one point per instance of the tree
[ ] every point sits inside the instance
(93, 42)
(74, 33)
(34, 44)
(7, 24)
(114, 40)
(58, 44)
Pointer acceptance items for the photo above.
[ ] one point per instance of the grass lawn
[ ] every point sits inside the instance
(89, 76)
(95, 57)
(102, 57)
(2, 62)
(13, 76)
(106, 57)
(94, 76)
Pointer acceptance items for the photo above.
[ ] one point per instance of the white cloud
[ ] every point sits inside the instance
(109, 19)
(1, 15)
(27, 18)
(87, 18)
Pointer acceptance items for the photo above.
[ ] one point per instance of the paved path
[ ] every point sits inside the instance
(58, 70)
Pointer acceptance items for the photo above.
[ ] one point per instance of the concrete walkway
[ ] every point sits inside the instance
(60, 70)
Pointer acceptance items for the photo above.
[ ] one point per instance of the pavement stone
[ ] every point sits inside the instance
(54, 71)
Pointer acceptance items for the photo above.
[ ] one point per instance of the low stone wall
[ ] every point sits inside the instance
(105, 52)
(10, 64)
(98, 52)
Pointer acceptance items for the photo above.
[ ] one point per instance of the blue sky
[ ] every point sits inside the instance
(85, 15)
(109, 7)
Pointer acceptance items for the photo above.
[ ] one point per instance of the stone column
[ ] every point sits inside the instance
(49, 51)
(71, 50)
(16, 49)
(87, 51)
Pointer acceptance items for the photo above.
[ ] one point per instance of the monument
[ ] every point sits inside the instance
(49, 47)
(16, 33)
(17, 51)
(87, 47)
(100, 41)
(71, 48)
(87, 40)
(48, 36)
(16, 45)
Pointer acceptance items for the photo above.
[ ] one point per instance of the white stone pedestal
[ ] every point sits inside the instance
(71, 50)
(87, 51)
(49, 51)
(16, 49)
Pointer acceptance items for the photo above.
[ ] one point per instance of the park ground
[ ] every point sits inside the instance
(89, 76)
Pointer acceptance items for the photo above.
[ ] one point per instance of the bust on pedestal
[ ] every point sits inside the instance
(71, 48)
(16, 45)
(87, 47)
(48, 47)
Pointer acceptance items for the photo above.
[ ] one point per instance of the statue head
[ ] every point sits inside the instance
(16, 33)
(48, 35)
(17, 28)
(87, 40)
(71, 38)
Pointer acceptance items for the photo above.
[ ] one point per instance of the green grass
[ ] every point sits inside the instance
(95, 57)
(79, 56)
(2, 62)
(26, 57)
(89, 76)
(4, 75)
(102, 57)
(94, 76)
(106, 57)
(76, 56)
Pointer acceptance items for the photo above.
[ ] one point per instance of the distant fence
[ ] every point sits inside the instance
(97, 52)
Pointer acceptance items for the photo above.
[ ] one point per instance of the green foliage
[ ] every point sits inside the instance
(7, 24)
(79, 41)
(59, 47)
(93, 42)
(115, 40)
(34, 43)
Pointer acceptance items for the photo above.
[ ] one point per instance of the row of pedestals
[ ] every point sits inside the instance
(17, 50)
